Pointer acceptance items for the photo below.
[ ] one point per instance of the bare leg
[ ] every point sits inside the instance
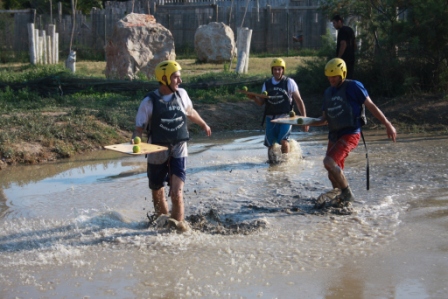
(160, 204)
(338, 179)
(335, 174)
(271, 154)
(176, 193)
(285, 146)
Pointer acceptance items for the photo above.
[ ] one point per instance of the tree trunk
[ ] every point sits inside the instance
(70, 63)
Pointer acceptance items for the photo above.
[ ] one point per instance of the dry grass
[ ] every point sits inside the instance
(95, 68)
(190, 68)
(257, 66)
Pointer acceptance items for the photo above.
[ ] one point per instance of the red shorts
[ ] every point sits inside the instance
(340, 149)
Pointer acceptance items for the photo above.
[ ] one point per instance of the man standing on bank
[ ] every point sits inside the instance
(342, 110)
(163, 114)
(346, 45)
(282, 90)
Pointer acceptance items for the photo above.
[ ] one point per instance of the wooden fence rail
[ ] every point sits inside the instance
(272, 26)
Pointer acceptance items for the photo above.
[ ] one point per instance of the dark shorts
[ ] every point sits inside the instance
(159, 174)
(340, 149)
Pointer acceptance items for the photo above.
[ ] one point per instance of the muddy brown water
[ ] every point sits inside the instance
(78, 229)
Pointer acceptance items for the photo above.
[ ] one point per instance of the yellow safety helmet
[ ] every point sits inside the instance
(336, 67)
(278, 62)
(166, 68)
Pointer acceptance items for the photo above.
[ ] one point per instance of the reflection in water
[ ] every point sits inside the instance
(23, 175)
(78, 228)
(347, 285)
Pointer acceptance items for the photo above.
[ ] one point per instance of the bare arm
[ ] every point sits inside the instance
(138, 132)
(300, 105)
(391, 132)
(322, 121)
(197, 119)
(257, 100)
(299, 102)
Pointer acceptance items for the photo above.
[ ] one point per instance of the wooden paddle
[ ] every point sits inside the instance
(296, 120)
(260, 95)
(127, 148)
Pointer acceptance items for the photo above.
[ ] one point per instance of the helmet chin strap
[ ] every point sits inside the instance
(168, 85)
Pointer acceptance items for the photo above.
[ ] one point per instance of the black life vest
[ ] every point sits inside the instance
(169, 121)
(281, 104)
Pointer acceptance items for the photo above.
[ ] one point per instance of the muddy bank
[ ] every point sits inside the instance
(415, 114)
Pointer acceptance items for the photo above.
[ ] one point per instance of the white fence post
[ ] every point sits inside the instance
(40, 46)
(244, 36)
(44, 47)
(52, 44)
(32, 43)
(48, 50)
(56, 42)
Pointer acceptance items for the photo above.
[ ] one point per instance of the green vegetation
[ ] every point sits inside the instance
(403, 44)
(87, 119)
(36, 115)
(42, 6)
(395, 60)
(68, 124)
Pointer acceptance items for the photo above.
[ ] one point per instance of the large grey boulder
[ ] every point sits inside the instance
(138, 44)
(214, 43)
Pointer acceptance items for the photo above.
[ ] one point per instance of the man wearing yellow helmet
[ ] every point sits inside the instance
(281, 91)
(163, 114)
(343, 107)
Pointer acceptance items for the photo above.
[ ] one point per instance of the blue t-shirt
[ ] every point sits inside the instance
(356, 95)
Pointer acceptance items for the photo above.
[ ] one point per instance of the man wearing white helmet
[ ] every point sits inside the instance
(283, 91)
(163, 115)
(343, 111)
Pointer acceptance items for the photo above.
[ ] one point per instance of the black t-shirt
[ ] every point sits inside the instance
(346, 33)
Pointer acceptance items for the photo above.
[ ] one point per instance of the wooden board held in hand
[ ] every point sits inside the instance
(260, 95)
(296, 120)
(145, 148)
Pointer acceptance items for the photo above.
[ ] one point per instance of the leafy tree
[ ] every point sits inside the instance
(15, 4)
(404, 43)
(43, 6)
